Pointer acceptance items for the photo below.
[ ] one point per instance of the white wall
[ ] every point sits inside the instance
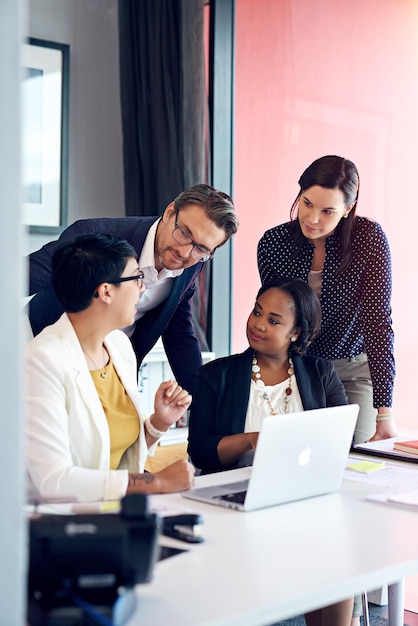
(90, 28)
(12, 528)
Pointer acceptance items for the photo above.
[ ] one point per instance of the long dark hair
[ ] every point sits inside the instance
(331, 172)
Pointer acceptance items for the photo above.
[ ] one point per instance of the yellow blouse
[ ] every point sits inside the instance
(122, 418)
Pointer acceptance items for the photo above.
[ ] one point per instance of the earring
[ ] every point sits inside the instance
(346, 215)
(293, 338)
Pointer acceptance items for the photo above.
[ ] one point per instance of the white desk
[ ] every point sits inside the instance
(259, 568)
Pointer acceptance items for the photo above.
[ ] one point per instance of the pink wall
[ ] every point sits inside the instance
(317, 77)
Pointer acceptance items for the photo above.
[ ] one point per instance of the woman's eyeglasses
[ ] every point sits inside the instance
(124, 279)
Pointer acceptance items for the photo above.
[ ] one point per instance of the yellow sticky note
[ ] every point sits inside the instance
(91, 508)
(110, 506)
(366, 466)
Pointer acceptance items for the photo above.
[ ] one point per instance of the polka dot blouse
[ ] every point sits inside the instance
(356, 305)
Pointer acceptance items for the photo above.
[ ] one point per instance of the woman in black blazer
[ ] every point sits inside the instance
(274, 375)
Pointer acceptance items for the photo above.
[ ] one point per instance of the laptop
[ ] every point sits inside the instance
(298, 455)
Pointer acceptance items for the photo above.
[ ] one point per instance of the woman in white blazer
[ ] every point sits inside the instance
(86, 439)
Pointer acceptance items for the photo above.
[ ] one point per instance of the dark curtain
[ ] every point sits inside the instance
(164, 104)
(164, 110)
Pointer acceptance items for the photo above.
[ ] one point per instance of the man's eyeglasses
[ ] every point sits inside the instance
(183, 238)
(139, 276)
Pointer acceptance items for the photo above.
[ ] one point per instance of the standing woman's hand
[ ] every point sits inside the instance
(385, 426)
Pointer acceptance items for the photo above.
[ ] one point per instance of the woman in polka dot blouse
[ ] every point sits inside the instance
(346, 260)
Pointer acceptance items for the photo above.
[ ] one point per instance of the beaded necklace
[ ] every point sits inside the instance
(259, 383)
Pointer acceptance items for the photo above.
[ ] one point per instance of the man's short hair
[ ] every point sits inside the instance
(218, 206)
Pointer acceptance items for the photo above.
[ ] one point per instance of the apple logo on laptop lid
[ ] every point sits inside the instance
(304, 457)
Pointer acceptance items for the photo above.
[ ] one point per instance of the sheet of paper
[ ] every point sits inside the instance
(164, 506)
(403, 497)
(158, 504)
(77, 508)
(391, 475)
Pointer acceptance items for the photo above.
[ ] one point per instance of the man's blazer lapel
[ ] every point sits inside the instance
(154, 322)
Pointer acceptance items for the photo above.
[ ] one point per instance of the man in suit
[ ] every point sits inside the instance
(171, 251)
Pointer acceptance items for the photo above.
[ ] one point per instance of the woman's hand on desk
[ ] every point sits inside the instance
(178, 476)
(384, 430)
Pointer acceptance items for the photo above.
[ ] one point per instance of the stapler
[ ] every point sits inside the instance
(185, 527)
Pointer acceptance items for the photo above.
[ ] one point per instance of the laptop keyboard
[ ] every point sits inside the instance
(238, 497)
